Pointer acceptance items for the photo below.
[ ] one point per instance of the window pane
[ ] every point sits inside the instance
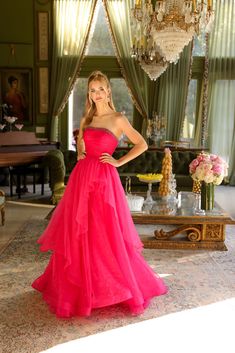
(121, 98)
(199, 45)
(79, 99)
(190, 112)
(76, 108)
(99, 42)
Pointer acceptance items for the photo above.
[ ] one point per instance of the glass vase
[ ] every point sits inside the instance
(207, 196)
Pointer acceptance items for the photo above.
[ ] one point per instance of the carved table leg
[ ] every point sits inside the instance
(194, 232)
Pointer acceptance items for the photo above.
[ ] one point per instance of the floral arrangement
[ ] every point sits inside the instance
(150, 177)
(209, 168)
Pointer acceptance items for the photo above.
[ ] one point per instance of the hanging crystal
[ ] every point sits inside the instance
(160, 33)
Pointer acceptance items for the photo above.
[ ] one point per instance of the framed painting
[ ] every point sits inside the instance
(16, 94)
(43, 33)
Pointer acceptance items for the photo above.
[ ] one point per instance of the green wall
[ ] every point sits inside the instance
(19, 50)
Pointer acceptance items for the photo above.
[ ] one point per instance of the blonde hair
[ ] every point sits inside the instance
(90, 107)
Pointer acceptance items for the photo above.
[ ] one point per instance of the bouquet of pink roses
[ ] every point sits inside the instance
(208, 168)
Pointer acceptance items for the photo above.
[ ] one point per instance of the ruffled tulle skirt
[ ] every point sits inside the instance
(96, 256)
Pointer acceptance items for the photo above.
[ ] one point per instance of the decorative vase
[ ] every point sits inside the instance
(207, 196)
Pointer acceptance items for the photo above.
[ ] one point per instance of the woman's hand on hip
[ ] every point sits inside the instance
(107, 158)
(81, 155)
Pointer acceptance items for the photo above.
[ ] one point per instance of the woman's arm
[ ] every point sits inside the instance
(134, 136)
(81, 153)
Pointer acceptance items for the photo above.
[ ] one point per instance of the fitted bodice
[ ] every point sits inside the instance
(99, 140)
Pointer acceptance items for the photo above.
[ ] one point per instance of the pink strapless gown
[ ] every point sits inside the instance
(96, 256)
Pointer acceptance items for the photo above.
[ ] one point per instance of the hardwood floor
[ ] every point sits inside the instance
(17, 213)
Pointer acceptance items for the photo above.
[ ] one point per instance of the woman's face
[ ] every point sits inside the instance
(98, 91)
(14, 84)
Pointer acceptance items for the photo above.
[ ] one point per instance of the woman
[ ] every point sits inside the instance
(16, 100)
(96, 259)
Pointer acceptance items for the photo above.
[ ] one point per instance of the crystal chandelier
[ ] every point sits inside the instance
(160, 32)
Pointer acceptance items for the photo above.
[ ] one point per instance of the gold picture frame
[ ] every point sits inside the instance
(43, 90)
(43, 35)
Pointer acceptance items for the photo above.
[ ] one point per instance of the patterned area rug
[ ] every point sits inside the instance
(195, 278)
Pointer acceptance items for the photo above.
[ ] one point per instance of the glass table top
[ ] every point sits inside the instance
(185, 204)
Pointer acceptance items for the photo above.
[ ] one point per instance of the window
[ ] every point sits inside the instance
(121, 98)
(78, 99)
(98, 57)
(199, 45)
(100, 34)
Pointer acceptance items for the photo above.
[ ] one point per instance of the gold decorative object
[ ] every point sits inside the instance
(149, 178)
(193, 232)
(162, 28)
(196, 187)
(164, 189)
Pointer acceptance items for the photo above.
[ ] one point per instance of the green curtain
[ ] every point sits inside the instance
(142, 89)
(221, 87)
(173, 91)
(168, 94)
(71, 24)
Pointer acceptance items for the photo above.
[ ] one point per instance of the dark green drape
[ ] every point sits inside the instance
(168, 94)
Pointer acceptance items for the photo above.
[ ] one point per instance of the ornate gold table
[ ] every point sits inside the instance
(188, 231)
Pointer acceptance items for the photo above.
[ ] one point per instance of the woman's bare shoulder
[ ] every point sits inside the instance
(121, 118)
